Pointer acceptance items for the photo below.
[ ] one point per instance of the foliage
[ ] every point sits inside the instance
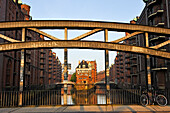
(73, 77)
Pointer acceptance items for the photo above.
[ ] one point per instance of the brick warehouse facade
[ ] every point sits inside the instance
(37, 61)
(86, 72)
(156, 13)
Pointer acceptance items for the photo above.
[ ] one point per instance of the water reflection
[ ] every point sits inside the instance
(84, 97)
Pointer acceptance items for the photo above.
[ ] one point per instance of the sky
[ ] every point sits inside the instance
(94, 10)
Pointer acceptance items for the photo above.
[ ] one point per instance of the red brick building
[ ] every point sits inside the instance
(100, 76)
(86, 72)
(156, 13)
(37, 61)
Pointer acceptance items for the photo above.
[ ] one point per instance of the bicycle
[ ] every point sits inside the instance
(159, 98)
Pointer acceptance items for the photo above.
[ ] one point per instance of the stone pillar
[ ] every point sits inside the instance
(148, 63)
(65, 70)
(107, 69)
(22, 69)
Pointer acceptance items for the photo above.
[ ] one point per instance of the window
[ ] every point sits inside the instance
(8, 72)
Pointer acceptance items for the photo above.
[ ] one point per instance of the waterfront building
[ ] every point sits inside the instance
(86, 72)
(37, 61)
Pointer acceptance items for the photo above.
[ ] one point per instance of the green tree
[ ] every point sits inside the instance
(73, 77)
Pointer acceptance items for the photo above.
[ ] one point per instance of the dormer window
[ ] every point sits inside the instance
(84, 66)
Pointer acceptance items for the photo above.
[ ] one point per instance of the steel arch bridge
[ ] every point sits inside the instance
(94, 26)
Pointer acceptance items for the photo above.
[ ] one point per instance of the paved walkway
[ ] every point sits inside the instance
(89, 109)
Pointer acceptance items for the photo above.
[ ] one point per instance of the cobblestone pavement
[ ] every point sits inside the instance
(89, 109)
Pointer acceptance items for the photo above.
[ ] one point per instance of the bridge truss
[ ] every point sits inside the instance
(76, 42)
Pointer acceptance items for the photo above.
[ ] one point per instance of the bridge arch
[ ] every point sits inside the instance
(83, 45)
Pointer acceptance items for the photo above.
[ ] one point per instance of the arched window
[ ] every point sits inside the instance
(8, 72)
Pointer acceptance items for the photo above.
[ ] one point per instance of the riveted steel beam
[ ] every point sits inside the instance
(56, 24)
(87, 34)
(126, 37)
(84, 45)
(44, 34)
(8, 38)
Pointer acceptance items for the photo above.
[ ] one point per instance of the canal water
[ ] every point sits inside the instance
(101, 99)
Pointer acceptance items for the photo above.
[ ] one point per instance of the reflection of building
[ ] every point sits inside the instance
(86, 72)
(37, 61)
(84, 97)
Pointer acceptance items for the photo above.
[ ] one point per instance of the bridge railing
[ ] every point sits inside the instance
(76, 97)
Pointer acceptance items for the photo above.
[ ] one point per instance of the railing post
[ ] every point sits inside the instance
(107, 69)
(65, 68)
(22, 70)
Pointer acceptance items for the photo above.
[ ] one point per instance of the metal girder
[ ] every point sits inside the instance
(161, 45)
(8, 38)
(48, 24)
(87, 34)
(126, 37)
(84, 45)
(44, 34)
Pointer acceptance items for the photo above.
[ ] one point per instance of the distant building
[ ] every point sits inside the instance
(100, 76)
(86, 72)
(112, 73)
(69, 77)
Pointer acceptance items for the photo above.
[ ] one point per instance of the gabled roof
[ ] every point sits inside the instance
(83, 63)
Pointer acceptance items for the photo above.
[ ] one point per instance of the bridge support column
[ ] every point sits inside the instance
(107, 69)
(65, 69)
(22, 69)
(148, 63)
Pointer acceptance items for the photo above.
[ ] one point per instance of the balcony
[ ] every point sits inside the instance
(133, 74)
(157, 38)
(159, 11)
(151, 2)
(132, 65)
(160, 24)
(159, 68)
(28, 73)
(28, 52)
(133, 57)
(28, 60)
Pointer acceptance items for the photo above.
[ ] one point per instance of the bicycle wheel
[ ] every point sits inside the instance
(144, 100)
(161, 100)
